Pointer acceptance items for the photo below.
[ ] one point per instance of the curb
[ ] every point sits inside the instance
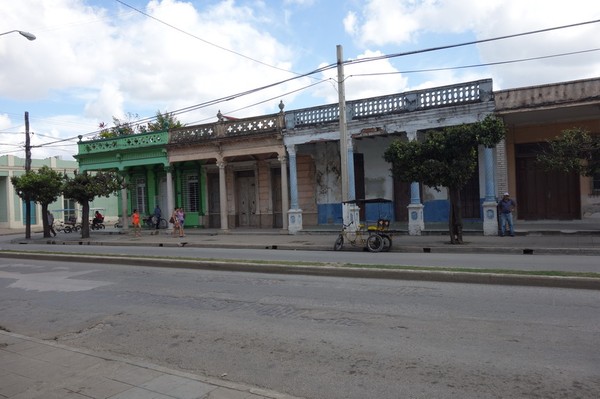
(450, 249)
(330, 271)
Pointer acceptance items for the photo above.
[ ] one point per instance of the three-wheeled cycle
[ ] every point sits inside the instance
(374, 238)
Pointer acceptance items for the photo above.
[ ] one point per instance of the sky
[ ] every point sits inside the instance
(95, 60)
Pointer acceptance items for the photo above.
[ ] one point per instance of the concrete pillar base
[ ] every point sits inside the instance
(416, 223)
(294, 221)
(490, 219)
(351, 216)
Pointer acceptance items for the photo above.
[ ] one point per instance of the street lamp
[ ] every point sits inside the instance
(27, 35)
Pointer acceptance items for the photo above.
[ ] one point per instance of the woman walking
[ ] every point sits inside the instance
(175, 220)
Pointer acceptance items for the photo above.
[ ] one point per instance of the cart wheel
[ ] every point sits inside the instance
(375, 243)
(339, 243)
(387, 243)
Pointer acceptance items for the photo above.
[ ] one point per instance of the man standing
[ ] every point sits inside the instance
(506, 206)
(157, 216)
(51, 223)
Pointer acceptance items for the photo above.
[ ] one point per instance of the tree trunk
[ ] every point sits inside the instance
(85, 220)
(455, 216)
(45, 220)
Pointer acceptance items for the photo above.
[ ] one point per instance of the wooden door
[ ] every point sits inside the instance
(469, 197)
(401, 199)
(359, 183)
(276, 198)
(246, 198)
(214, 200)
(544, 194)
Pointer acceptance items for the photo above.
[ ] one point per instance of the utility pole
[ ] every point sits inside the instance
(343, 128)
(27, 170)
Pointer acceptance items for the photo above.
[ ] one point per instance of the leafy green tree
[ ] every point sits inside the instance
(574, 150)
(446, 158)
(43, 186)
(84, 187)
(163, 122)
(131, 125)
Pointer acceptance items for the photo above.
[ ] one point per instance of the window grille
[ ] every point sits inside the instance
(70, 212)
(191, 193)
(596, 184)
(140, 196)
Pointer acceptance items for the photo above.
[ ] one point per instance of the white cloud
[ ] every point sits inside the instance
(396, 23)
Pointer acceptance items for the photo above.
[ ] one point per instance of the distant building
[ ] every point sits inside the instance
(12, 207)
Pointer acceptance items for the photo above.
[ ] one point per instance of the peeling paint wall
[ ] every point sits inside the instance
(328, 178)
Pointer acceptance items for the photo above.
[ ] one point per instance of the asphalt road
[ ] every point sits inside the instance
(318, 337)
(575, 263)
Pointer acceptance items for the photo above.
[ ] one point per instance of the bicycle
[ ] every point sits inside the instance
(373, 242)
(150, 222)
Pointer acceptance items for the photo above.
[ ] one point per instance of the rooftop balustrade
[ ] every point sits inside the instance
(463, 93)
(228, 128)
(128, 142)
(452, 95)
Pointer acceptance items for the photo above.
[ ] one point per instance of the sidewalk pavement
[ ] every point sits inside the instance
(571, 238)
(36, 369)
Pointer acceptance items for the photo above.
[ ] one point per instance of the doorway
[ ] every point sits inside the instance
(543, 194)
(246, 198)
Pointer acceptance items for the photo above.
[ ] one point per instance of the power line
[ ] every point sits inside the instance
(476, 65)
(203, 40)
(382, 57)
(331, 66)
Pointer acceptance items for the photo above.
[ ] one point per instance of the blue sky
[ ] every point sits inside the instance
(93, 60)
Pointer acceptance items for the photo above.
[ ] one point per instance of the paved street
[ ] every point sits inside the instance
(308, 336)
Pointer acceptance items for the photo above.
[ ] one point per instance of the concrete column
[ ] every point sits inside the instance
(294, 214)
(285, 201)
(223, 194)
(170, 194)
(490, 211)
(351, 182)
(124, 202)
(416, 221)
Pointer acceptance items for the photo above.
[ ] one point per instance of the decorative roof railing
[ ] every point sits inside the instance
(452, 95)
(227, 128)
(463, 93)
(128, 142)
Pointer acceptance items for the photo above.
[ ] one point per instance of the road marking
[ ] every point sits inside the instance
(58, 281)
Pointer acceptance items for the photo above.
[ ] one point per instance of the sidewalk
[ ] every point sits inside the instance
(580, 238)
(36, 369)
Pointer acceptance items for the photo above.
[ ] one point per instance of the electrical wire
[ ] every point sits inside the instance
(476, 65)
(204, 40)
(328, 67)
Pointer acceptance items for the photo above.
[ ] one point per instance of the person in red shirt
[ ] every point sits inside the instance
(135, 221)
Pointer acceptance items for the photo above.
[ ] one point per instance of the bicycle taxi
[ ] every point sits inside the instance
(376, 237)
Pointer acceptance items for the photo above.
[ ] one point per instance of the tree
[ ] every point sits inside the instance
(132, 125)
(446, 158)
(84, 187)
(43, 187)
(163, 122)
(575, 150)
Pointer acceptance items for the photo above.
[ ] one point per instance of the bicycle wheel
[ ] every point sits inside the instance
(375, 243)
(387, 242)
(339, 243)
(163, 224)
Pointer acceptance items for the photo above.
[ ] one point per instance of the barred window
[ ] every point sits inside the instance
(191, 193)
(139, 200)
(596, 184)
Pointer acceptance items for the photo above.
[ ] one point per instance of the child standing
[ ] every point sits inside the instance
(135, 221)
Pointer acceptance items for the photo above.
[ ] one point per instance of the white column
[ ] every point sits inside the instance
(285, 202)
(416, 221)
(294, 214)
(490, 210)
(170, 194)
(223, 194)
